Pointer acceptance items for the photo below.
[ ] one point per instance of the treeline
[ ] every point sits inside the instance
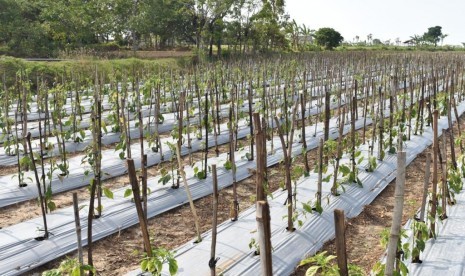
(45, 27)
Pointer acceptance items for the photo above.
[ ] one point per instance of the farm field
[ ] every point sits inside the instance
(180, 160)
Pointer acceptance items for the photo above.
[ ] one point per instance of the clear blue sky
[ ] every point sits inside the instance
(386, 19)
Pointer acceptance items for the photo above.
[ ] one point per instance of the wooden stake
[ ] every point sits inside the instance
(339, 153)
(250, 99)
(144, 184)
(435, 174)
(339, 223)
(304, 138)
(77, 222)
(425, 186)
(261, 165)
(457, 118)
(90, 217)
(327, 117)
(137, 201)
(213, 260)
(445, 191)
(320, 172)
(41, 197)
(264, 237)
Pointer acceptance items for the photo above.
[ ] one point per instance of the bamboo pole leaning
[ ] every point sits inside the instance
(397, 216)
(183, 173)
(138, 203)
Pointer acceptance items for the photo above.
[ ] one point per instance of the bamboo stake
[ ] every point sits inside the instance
(425, 187)
(397, 216)
(435, 174)
(183, 173)
(421, 218)
(445, 191)
(77, 222)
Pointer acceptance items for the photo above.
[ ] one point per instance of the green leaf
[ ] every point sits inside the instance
(420, 244)
(311, 271)
(173, 266)
(108, 193)
(327, 178)
(403, 268)
(227, 165)
(344, 170)
(307, 207)
(127, 193)
(143, 265)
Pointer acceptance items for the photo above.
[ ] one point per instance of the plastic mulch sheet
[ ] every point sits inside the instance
(236, 258)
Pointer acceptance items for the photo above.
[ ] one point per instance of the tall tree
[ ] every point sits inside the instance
(433, 35)
(328, 38)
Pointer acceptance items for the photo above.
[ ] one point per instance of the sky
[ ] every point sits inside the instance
(388, 19)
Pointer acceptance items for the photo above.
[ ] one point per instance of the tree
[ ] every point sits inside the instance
(416, 39)
(328, 38)
(377, 41)
(370, 39)
(21, 30)
(267, 32)
(442, 38)
(433, 35)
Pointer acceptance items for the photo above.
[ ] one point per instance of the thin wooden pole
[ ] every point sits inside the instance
(425, 187)
(144, 184)
(327, 117)
(435, 174)
(445, 191)
(339, 153)
(339, 223)
(264, 237)
(137, 201)
(421, 218)
(260, 176)
(77, 222)
(304, 138)
(183, 173)
(213, 260)
(397, 216)
(41, 197)
(90, 217)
